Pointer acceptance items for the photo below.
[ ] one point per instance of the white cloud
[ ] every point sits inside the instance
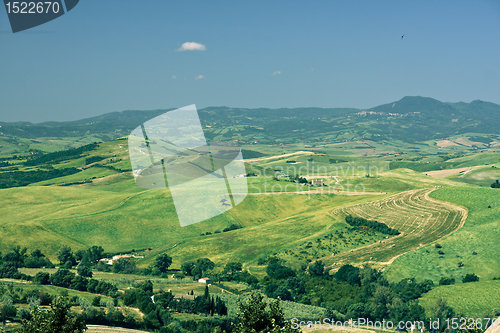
(199, 77)
(276, 73)
(174, 77)
(192, 46)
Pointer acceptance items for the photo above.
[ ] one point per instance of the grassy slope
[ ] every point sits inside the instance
(480, 234)
(52, 290)
(480, 300)
(118, 215)
(114, 213)
(481, 176)
(121, 217)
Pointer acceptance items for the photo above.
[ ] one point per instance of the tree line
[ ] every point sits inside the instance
(23, 178)
(60, 155)
(374, 225)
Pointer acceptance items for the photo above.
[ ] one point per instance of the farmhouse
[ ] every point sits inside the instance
(317, 182)
(107, 261)
(123, 256)
(204, 280)
(240, 176)
(186, 296)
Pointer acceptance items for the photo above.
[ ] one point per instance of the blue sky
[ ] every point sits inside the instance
(116, 55)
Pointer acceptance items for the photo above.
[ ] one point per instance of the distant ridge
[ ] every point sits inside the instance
(411, 119)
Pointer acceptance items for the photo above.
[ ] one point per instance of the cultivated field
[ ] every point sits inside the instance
(475, 245)
(447, 173)
(420, 220)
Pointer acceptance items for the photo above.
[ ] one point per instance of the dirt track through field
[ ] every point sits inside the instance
(278, 156)
(420, 219)
(107, 329)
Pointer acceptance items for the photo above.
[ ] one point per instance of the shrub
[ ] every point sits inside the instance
(470, 278)
(446, 281)
(349, 274)
(376, 226)
(42, 278)
(232, 227)
(278, 271)
(96, 301)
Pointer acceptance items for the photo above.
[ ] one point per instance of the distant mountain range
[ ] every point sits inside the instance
(411, 119)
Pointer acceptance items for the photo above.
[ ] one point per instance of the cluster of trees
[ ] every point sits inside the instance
(123, 266)
(230, 228)
(110, 167)
(332, 161)
(257, 316)
(19, 257)
(89, 257)
(445, 281)
(157, 307)
(293, 179)
(198, 268)
(67, 279)
(93, 159)
(59, 155)
(496, 184)
(379, 299)
(59, 318)
(86, 260)
(470, 278)
(24, 178)
(374, 225)
(10, 262)
(204, 267)
(298, 179)
(351, 292)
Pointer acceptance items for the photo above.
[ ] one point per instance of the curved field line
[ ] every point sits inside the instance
(420, 219)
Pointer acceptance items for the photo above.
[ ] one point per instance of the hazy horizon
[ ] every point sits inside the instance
(112, 56)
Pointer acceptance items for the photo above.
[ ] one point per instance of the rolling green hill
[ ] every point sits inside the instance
(86, 195)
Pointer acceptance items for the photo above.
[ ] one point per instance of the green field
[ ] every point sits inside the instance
(475, 299)
(52, 290)
(484, 176)
(108, 209)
